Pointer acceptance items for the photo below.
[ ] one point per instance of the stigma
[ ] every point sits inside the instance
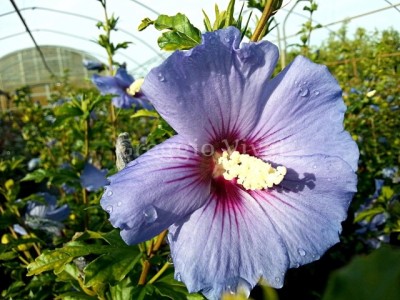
(135, 87)
(249, 171)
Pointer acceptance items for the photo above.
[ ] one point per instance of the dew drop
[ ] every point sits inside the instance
(109, 209)
(296, 82)
(230, 290)
(301, 252)
(297, 265)
(161, 77)
(314, 167)
(227, 39)
(277, 279)
(178, 276)
(304, 92)
(109, 193)
(119, 203)
(316, 93)
(150, 214)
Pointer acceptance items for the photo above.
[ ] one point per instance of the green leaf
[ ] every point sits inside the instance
(207, 22)
(145, 113)
(68, 111)
(229, 20)
(387, 192)
(122, 45)
(142, 292)
(181, 33)
(8, 255)
(123, 290)
(75, 296)
(168, 287)
(371, 277)
(368, 214)
(38, 175)
(145, 23)
(49, 260)
(111, 267)
(58, 258)
(113, 237)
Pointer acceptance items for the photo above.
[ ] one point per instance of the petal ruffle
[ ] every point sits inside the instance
(263, 233)
(215, 90)
(159, 188)
(123, 78)
(123, 101)
(107, 85)
(307, 208)
(304, 116)
(227, 249)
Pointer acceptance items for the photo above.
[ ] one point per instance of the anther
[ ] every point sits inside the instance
(251, 172)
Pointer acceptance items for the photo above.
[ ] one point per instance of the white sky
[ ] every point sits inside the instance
(41, 22)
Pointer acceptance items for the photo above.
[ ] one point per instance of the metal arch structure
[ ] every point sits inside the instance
(142, 41)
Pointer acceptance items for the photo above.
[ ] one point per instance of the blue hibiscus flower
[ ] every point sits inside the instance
(259, 176)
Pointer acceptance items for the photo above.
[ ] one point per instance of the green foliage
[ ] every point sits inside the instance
(223, 19)
(89, 260)
(371, 277)
(180, 34)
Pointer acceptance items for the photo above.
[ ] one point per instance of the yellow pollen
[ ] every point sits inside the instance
(251, 172)
(135, 87)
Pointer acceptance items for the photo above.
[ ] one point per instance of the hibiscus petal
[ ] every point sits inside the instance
(214, 91)
(107, 85)
(232, 244)
(92, 178)
(123, 78)
(263, 233)
(307, 208)
(123, 101)
(304, 115)
(159, 188)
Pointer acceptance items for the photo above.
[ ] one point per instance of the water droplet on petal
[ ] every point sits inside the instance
(150, 214)
(316, 93)
(277, 279)
(230, 290)
(296, 82)
(301, 252)
(297, 265)
(109, 193)
(178, 276)
(119, 203)
(304, 92)
(161, 77)
(314, 166)
(227, 39)
(109, 209)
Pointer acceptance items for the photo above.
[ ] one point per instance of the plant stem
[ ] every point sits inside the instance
(145, 271)
(86, 141)
(153, 248)
(159, 273)
(263, 21)
(160, 239)
(85, 203)
(107, 29)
